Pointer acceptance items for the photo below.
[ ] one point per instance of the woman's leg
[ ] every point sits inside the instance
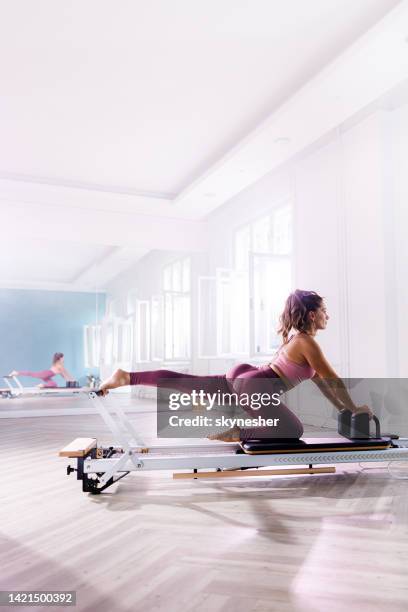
(120, 378)
(242, 378)
(288, 427)
(234, 382)
(253, 381)
(48, 384)
(179, 380)
(256, 383)
(44, 375)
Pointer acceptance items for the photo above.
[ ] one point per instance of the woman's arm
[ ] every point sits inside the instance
(327, 392)
(328, 381)
(66, 375)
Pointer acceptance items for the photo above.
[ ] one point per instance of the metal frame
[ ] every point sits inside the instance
(231, 460)
(18, 390)
(103, 466)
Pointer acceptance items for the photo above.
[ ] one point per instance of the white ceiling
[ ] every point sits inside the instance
(119, 121)
(145, 95)
(53, 262)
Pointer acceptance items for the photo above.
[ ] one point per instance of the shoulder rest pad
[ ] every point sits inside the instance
(310, 445)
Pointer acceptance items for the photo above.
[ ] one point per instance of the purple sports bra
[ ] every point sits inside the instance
(291, 370)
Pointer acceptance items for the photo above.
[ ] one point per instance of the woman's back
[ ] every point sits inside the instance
(294, 349)
(290, 361)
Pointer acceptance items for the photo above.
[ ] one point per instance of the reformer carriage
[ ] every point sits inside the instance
(99, 467)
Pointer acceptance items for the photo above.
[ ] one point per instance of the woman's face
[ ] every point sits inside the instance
(319, 317)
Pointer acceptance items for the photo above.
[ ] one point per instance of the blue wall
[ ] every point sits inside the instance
(36, 324)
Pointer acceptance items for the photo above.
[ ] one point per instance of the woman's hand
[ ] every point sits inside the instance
(363, 409)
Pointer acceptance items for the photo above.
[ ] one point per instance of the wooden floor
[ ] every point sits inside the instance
(309, 543)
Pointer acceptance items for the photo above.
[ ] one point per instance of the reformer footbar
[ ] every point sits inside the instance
(12, 390)
(16, 389)
(100, 467)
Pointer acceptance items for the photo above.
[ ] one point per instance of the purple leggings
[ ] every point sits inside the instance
(44, 375)
(242, 378)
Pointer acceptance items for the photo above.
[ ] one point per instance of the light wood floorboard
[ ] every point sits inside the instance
(335, 542)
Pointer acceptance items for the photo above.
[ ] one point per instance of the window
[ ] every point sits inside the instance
(232, 312)
(207, 317)
(131, 302)
(262, 235)
(242, 247)
(142, 329)
(262, 255)
(92, 346)
(108, 343)
(177, 306)
(222, 310)
(124, 341)
(239, 314)
(270, 283)
(157, 328)
(282, 231)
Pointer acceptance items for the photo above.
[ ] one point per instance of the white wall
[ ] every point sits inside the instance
(317, 238)
(341, 247)
(363, 192)
(399, 158)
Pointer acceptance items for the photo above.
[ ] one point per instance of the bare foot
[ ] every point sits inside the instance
(231, 435)
(120, 378)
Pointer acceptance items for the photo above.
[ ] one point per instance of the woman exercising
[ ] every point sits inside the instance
(46, 376)
(299, 358)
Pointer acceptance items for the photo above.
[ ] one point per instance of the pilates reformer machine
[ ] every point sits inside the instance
(15, 389)
(99, 467)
